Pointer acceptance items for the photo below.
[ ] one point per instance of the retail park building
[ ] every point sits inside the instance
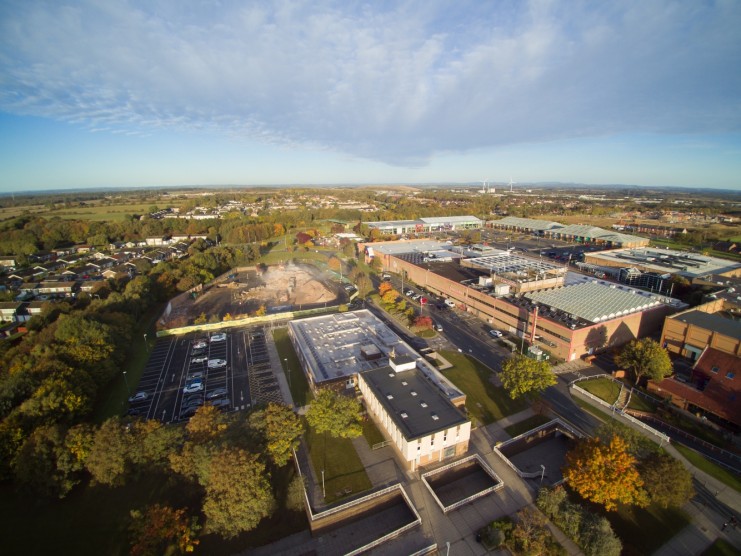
(417, 407)
(561, 312)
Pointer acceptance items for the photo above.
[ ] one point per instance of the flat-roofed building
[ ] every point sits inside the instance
(417, 416)
(711, 325)
(351, 349)
(681, 263)
(426, 225)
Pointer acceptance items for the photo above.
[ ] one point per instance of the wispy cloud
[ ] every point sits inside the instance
(395, 82)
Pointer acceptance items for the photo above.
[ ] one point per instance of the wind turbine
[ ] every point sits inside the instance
(511, 183)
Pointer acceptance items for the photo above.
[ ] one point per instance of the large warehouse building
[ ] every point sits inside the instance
(427, 225)
(410, 400)
(665, 261)
(564, 313)
(579, 233)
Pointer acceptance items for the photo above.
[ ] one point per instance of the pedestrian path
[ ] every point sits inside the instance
(277, 368)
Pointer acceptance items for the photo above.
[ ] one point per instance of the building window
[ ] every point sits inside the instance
(714, 370)
(729, 374)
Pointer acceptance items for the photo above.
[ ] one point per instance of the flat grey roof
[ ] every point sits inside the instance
(506, 262)
(712, 321)
(410, 246)
(529, 223)
(412, 394)
(683, 263)
(392, 223)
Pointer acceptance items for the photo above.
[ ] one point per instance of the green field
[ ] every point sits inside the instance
(371, 433)
(343, 470)
(484, 401)
(645, 530)
(300, 391)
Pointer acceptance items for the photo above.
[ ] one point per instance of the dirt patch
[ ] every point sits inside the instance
(241, 294)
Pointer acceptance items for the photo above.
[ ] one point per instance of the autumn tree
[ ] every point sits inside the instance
(162, 530)
(384, 287)
(645, 357)
(605, 473)
(666, 480)
(281, 430)
(108, 459)
(422, 323)
(238, 494)
(523, 376)
(340, 416)
(206, 425)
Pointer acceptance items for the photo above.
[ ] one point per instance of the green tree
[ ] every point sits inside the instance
(108, 460)
(666, 480)
(340, 416)
(35, 464)
(281, 430)
(522, 376)
(238, 494)
(645, 357)
(605, 473)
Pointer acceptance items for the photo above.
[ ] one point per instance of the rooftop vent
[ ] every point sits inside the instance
(404, 415)
(390, 396)
(423, 404)
(435, 417)
(414, 393)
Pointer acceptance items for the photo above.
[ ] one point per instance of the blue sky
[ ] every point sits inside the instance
(125, 93)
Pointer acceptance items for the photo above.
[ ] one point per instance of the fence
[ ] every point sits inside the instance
(619, 415)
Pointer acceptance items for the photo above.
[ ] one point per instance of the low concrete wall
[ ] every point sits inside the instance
(488, 470)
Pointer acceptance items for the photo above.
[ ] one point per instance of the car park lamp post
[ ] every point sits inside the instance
(324, 493)
(126, 382)
(542, 473)
(289, 371)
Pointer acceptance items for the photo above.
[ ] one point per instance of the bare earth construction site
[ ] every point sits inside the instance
(244, 291)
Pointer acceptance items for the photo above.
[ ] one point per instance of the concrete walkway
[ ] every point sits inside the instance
(280, 376)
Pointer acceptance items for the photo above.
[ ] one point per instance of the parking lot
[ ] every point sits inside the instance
(230, 370)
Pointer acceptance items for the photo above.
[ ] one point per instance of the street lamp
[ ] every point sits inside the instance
(126, 382)
(324, 493)
(542, 473)
(289, 372)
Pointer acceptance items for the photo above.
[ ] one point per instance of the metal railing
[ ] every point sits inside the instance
(488, 470)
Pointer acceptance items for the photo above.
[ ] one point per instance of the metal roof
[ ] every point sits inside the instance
(596, 302)
(450, 219)
(712, 322)
(528, 223)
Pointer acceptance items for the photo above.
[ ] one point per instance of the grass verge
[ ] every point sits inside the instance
(715, 471)
(300, 391)
(527, 424)
(371, 433)
(645, 530)
(604, 388)
(484, 401)
(343, 470)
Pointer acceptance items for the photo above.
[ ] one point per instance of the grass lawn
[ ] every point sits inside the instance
(523, 426)
(342, 466)
(721, 547)
(484, 401)
(645, 530)
(371, 433)
(300, 390)
(113, 397)
(604, 388)
(716, 471)
(429, 333)
(639, 403)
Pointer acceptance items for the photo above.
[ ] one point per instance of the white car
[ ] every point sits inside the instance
(450, 303)
(199, 359)
(199, 344)
(438, 327)
(216, 363)
(194, 386)
(139, 396)
(219, 337)
(495, 333)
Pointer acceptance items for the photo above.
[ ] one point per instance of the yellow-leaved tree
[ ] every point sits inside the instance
(605, 473)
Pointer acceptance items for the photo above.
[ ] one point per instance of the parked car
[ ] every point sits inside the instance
(199, 359)
(217, 393)
(139, 396)
(199, 344)
(221, 337)
(191, 398)
(195, 402)
(194, 376)
(221, 403)
(193, 386)
(438, 327)
(495, 333)
(450, 303)
(188, 412)
(409, 293)
(216, 363)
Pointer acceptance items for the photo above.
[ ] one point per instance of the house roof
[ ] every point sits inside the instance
(722, 393)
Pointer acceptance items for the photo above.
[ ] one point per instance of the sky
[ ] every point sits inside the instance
(161, 93)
